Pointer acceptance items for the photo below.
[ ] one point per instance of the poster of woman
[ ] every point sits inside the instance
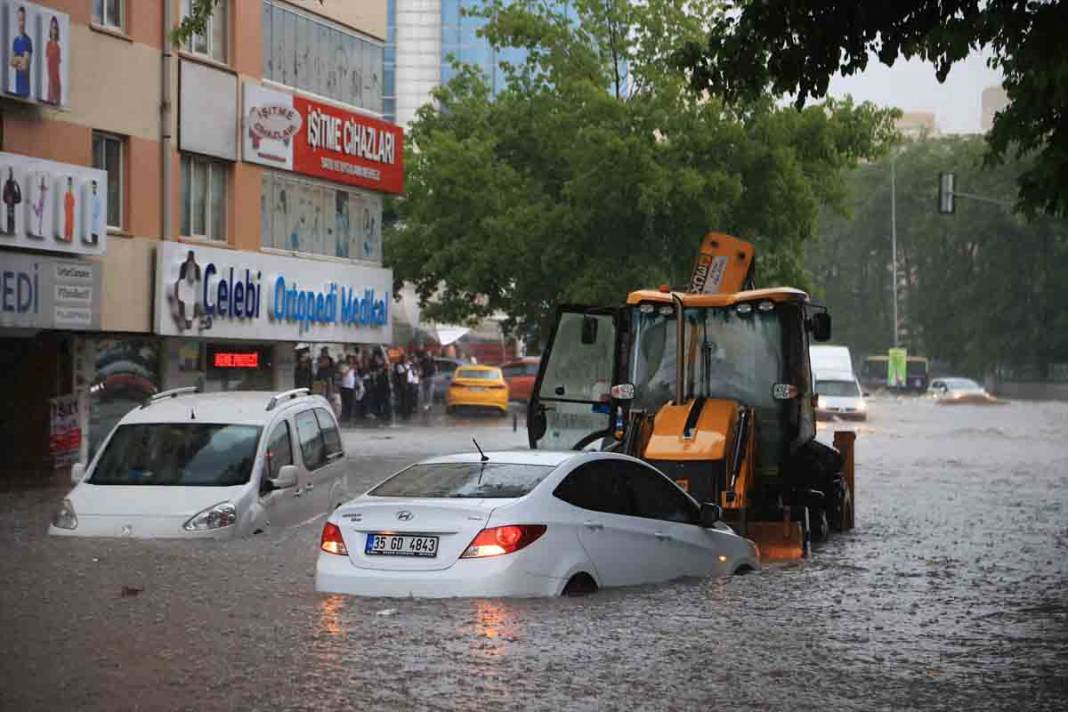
(21, 52)
(54, 33)
(67, 204)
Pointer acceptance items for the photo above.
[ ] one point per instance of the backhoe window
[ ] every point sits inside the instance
(735, 355)
(578, 370)
(653, 355)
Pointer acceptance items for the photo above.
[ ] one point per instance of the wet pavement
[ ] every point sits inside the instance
(952, 593)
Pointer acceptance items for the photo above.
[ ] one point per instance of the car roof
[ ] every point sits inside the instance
(477, 367)
(551, 458)
(237, 407)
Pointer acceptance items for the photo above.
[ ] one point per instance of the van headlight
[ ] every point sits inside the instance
(65, 518)
(221, 515)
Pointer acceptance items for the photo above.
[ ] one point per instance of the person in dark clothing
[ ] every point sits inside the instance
(12, 197)
(302, 373)
(427, 371)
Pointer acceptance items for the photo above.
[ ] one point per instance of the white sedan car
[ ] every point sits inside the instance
(524, 523)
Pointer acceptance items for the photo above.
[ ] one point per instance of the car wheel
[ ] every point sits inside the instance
(581, 584)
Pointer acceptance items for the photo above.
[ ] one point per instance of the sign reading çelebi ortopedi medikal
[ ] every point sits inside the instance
(206, 291)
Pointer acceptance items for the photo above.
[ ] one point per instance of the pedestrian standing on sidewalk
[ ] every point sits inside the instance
(400, 386)
(348, 388)
(413, 386)
(427, 371)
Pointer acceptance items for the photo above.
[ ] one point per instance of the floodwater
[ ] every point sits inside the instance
(950, 594)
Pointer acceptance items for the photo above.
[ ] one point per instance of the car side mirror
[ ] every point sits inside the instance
(623, 392)
(866, 394)
(287, 477)
(77, 472)
(710, 514)
(821, 326)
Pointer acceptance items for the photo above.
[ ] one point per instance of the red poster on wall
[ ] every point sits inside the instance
(346, 147)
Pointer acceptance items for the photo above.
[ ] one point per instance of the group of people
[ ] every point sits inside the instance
(364, 385)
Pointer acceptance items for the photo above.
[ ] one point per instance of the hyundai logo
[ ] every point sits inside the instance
(404, 515)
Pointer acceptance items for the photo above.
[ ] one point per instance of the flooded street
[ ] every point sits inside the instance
(952, 593)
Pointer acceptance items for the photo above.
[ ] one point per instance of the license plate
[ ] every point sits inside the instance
(401, 545)
(477, 388)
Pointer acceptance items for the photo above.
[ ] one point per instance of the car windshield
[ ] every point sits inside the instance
(490, 374)
(837, 389)
(463, 479)
(178, 454)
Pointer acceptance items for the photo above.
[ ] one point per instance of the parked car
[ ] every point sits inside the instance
(954, 391)
(838, 395)
(216, 465)
(520, 376)
(444, 368)
(523, 523)
(477, 387)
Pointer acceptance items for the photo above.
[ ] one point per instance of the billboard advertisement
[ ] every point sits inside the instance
(313, 138)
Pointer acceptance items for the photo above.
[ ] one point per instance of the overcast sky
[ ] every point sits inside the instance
(912, 86)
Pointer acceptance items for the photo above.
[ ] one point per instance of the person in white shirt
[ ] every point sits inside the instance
(348, 388)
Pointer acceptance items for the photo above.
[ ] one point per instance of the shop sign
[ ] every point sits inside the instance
(317, 139)
(56, 207)
(38, 292)
(65, 433)
(36, 53)
(206, 291)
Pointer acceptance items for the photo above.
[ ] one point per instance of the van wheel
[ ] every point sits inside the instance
(581, 584)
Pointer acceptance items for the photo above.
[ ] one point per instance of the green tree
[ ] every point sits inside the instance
(596, 171)
(980, 289)
(796, 47)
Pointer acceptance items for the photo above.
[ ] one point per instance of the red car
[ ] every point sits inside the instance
(520, 375)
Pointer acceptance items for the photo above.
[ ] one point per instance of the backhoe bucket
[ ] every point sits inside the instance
(777, 541)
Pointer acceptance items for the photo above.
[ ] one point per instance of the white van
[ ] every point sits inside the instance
(838, 395)
(217, 465)
(825, 357)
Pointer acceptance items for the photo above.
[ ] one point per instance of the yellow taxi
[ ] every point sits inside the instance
(477, 387)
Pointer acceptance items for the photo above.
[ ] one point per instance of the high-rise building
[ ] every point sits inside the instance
(994, 99)
(424, 38)
(198, 216)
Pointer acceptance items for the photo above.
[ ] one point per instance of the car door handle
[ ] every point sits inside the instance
(310, 486)
(662, 536)
(594, 526)
(298, 492)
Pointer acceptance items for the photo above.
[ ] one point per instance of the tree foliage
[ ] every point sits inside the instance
(980, 289)
(596, 171)
(796, 47)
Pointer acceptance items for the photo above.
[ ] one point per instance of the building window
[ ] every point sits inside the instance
(314, 217)
(204, 198)
(108, 155)
(212, 42)
(321, 57)
(108, 13)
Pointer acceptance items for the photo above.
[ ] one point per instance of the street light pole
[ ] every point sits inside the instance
(893, 237)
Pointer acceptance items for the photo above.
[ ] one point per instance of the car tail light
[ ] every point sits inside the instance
(498, 386)
(332, 543)
(503, 540)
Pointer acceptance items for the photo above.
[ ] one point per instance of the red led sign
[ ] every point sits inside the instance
(227, 359)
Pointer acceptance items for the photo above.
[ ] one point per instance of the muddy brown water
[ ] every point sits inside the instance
(950, 594)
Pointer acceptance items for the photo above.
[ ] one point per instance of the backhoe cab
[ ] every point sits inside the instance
(711, 387)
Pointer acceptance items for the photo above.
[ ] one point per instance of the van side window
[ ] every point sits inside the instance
(312, 448)
(279, 450)
(331, 437)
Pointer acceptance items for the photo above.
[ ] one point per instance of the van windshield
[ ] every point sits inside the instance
(837, 389)
(178, 454)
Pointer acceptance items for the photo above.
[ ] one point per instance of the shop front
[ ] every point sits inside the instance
(233, 320)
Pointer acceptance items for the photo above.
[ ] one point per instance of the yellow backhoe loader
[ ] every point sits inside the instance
(712, 386)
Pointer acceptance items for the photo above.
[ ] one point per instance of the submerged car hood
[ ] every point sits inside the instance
(147, 500)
